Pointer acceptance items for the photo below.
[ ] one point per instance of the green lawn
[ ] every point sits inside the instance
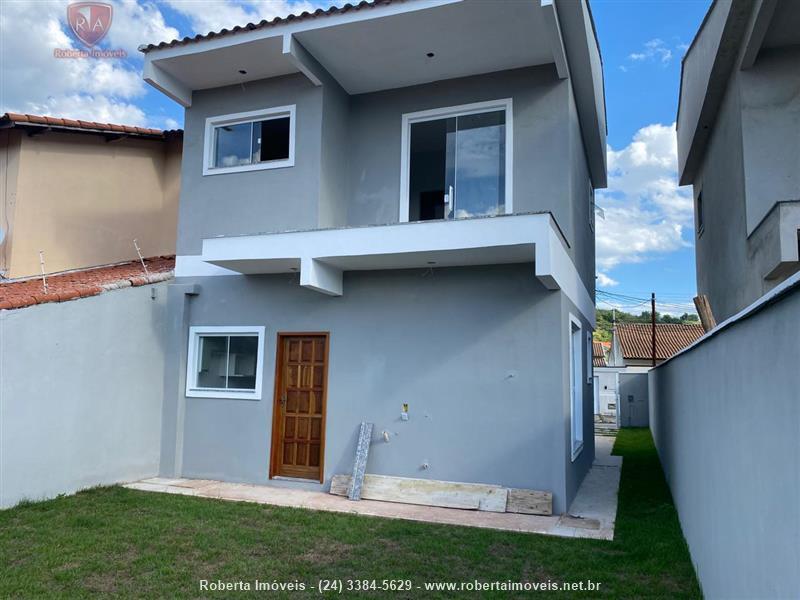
(140, 544)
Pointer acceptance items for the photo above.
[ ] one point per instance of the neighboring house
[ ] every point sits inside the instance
(632, 343)
(387, 216)
(631, 357)
(81, 192)
(606, 383)
(739, 147)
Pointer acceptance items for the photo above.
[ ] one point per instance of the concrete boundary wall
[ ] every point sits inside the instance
(725, 416)
(81, 390)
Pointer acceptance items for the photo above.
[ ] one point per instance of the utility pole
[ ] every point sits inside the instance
(653, 324)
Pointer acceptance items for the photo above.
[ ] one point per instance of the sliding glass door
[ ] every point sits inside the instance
(457, 166)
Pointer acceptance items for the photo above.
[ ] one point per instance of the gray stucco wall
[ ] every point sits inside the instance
(582, 238)
(254, 201)
(721, 250)
(547, 158)
(633, 399)
(477, 353)
(770, 97)
(726, 420)
(347, 159)
(575, 469)
(751, 163)
(81, 387)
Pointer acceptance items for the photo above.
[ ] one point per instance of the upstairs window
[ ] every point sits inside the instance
(262, 139)
(457, 162)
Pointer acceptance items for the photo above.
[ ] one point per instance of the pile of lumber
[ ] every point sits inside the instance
(448, 494)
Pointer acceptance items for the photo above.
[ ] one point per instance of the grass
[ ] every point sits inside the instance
(138, 544)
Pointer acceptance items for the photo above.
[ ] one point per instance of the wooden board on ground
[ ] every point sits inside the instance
(426, 492)
(529, 502)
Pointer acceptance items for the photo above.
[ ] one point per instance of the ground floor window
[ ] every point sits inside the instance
(576, 386)
(225, 362)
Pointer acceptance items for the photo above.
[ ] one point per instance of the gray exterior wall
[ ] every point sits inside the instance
(81, 387)
(478, 353)
(721, 249)
(633, 399)
(347, 169)
(548, 151)
(770, 97)
(751, 163)
(726, 421)
(255, 201)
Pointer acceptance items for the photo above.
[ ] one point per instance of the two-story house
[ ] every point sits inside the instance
(739, 147)
(386, 215)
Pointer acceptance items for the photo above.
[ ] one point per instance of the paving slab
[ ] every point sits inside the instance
(592, 514)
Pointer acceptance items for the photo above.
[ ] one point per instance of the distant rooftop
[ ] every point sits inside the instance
(10, 119)
(635, 339)
(84, 282)
(599, 354)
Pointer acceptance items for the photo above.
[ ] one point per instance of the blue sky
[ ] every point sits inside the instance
(642, 78)
(644, 243)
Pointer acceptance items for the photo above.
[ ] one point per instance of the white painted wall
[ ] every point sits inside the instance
(81, 389)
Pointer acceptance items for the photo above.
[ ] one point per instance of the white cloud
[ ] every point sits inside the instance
(605, 281)
(213, 15)
(137, 23)
(35, 81)
(653, 51)
(32, 80)
(646, 213)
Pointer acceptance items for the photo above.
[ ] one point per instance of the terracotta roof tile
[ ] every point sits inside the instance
(635, 339)
(15, 119)
(305, 15)
(599, 354)
(83, 283)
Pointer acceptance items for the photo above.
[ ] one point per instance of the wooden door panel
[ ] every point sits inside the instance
(300, 391)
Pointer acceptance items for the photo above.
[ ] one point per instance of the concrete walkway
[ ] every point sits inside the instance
(592, 513)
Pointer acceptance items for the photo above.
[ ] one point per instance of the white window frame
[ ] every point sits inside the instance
(574, 329)
(193, 391)
(434, 114)
(276, 112)
(589, 358)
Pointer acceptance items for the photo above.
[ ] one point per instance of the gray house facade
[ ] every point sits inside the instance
(738, 146)
(386, 216)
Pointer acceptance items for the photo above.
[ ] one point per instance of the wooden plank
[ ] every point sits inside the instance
(529, 502)
(703, 307)
(427, 492)
(360, 464)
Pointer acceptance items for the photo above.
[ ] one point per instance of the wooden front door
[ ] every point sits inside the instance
(298, 428)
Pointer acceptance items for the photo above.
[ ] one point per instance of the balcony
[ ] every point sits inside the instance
(774, 245)
(321, 256)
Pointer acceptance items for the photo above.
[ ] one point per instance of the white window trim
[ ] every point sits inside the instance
(192, 391)
(589, 358)
(455, 111)
(576, 445)
(246, 117)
